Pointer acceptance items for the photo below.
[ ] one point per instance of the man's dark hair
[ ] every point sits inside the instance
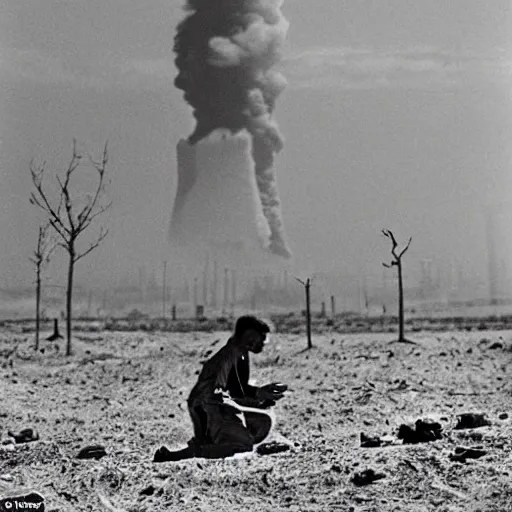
(244, 323)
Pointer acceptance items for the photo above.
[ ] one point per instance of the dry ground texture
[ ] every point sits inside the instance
(127, 391)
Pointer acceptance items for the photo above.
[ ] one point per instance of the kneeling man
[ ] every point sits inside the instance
(229, 415)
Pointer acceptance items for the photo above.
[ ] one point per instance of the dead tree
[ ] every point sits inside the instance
(70, 216)
(307, 288)
(397, 262)
(45, 247)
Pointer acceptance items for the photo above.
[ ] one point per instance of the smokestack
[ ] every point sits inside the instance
(217, 210)
(225, 52)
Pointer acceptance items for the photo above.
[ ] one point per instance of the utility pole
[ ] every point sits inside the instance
(195, 295)
(205, 283)
(214, 291)
(164, 289)
(307, 288)
(233, 291)
(493, 274)
(226, 291)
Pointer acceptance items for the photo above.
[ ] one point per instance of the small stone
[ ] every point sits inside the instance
(472, 420)
(423, 431)
(366, 477)
(461, 454)
(271, 448)
(24, 436)
(369, 441)
(94, 451)
(503, 416)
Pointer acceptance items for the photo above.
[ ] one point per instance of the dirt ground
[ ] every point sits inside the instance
(127, 392)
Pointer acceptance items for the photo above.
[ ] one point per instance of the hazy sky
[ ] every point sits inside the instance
(397, 115)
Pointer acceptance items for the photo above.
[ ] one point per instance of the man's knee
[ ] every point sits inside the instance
(259, 425)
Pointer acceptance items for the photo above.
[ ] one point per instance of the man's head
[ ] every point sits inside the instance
(250, 333)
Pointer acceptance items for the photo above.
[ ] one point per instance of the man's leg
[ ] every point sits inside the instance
(199, 419)
(163, 454)
(228, 433)
(199, 422)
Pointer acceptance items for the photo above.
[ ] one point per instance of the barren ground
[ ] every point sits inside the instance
(127, 391)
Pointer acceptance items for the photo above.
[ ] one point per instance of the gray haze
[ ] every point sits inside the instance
(397, 115)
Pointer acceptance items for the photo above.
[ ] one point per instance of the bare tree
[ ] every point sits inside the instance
(45, 247)
(397, 261)
(69, 217)
(307, 288)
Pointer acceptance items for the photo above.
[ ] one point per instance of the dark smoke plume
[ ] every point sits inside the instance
(225, 52)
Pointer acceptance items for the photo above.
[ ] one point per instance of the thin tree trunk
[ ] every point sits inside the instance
(69, 298)
(38, 306)
(400, 303)
(308, 313)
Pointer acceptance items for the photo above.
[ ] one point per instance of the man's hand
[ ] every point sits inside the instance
(271, 392)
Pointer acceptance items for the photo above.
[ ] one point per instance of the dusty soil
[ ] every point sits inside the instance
(127, 391)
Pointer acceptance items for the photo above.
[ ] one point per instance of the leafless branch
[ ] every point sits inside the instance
(93, 246)
(389, 234)
(45, 247)
(308, 281)
(85, 223)
(405, 248)
(64, 222)
(40, 198)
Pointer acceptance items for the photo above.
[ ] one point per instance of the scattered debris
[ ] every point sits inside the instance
(94, 451)
(271, 448)
(423, 431)
(26, 435)
(472, 420)
(369, 441)
(461, 454)
(366, 477)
